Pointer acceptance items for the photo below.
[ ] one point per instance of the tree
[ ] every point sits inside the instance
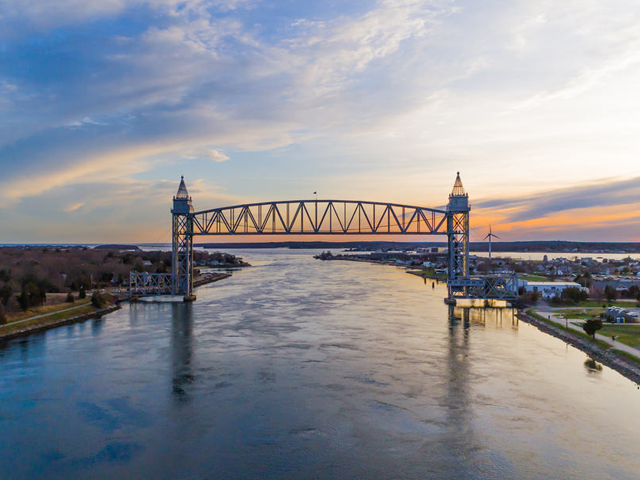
(610, 293)
(23, 300)
(3, 316)
(633, 292)
(535, 296)
(81, 292)
(5, 294)
(591, 326)
(574, 294)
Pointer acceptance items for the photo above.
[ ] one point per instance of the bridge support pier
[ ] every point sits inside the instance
(458, 241)
(182, 244)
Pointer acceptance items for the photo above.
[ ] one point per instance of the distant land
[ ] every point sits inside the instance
(520, 246)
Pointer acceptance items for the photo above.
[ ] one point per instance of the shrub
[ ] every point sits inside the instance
(97, 300)
(81, 292)
(3, 316)
(101, 300)
(70, 298)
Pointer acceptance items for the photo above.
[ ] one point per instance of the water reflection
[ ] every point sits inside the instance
(497, 317)
(457, 458)
(592, 366)
(181, 350)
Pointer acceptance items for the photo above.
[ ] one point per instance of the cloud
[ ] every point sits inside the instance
(609, 209)
(110, 211)
(209, 154)
(383, 94)
(602, 194)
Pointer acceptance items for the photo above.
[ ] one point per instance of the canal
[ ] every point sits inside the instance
(297, 368)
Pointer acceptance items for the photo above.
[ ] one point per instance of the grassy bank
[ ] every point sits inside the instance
(54, 319)
(47, 309)
(571, 331)
(623, 362)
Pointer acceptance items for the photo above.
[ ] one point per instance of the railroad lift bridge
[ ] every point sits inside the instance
(325, 217)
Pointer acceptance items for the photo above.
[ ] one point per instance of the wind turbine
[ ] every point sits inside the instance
(490, 235)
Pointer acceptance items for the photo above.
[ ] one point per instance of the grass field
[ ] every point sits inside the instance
(534, 278)
(580, 314)
(627, 334)
(576, 333)
(49, 319)
(32, 312)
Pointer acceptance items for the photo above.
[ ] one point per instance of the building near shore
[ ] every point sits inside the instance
(547, 290)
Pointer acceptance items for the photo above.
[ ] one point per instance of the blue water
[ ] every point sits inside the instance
(297, 368)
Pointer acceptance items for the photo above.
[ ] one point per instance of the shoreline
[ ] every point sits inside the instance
(210, 278)
(627, 368)
(47, 325)
(28, 330)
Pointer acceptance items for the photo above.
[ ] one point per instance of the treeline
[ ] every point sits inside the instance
(28, 274)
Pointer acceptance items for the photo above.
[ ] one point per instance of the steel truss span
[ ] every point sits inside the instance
(325, 217)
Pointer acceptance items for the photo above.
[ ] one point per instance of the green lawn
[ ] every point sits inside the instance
(533, 278)
(576, 333)
(47, 309)
(580, 314)
(627, 334)
(49, 319)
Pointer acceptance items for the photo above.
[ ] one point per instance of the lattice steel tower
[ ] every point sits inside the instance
(182, 244)
(458, 239)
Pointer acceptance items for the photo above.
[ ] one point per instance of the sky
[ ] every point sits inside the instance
(104, 104)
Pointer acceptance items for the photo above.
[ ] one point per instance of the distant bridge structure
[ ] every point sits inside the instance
(324, 217)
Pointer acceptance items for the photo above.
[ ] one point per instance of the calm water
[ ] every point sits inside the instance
(299, 368)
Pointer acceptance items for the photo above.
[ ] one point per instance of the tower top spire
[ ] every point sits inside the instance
(182, 190)
(458, 189)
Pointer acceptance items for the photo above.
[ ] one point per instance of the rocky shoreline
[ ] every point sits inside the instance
(210, 278)
(627, 368)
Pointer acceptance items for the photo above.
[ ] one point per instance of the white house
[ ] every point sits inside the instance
(547, 289)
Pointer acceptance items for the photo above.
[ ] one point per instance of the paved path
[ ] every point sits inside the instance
(43, 315)
(559, 319)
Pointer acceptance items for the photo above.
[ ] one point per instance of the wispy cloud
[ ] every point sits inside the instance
(602, 194)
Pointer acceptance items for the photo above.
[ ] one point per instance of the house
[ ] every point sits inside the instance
(620, 315)
(547, 289)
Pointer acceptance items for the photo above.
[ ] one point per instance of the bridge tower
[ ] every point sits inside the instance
(182, 244)
(458, 240)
